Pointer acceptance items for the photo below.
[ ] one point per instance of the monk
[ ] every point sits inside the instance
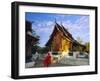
(48, 59)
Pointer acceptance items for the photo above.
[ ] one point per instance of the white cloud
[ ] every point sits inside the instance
(80, 28)
(45, 27)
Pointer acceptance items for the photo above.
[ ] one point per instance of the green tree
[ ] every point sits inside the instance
(43, 50)
(79, 47)
(87, 47)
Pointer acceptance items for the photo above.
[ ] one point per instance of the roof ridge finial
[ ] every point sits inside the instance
(61, 23)
(55, 21)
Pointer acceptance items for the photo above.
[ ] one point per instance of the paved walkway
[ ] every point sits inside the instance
(39, 63)
(62, 62)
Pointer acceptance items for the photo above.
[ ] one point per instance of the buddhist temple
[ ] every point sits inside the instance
(61, 41)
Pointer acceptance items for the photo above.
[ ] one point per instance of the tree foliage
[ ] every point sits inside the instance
(43, 50)
(87, 47)
(79, 47)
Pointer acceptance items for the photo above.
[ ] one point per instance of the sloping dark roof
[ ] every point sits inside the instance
(32, 38)
(61, 29)
(28, 31)
(65, 32)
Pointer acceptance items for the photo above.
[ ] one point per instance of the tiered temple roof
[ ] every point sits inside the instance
(65, 32)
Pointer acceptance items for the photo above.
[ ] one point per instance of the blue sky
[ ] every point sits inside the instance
(43, 24)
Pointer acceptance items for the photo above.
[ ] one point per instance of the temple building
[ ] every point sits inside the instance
(61, 41)
(30, 40)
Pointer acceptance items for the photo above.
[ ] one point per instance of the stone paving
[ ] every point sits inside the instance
(62, 62)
